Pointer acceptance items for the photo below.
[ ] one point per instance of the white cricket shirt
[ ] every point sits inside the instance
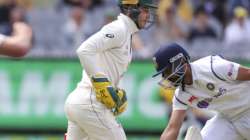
(108, 51)
(214, 87)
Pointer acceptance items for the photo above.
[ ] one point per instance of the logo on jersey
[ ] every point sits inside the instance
(210, 86)
(204, 103)
(192, 98)
(221, 92)
(110, 35)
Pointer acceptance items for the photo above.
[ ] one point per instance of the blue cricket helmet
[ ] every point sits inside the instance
(167, 56)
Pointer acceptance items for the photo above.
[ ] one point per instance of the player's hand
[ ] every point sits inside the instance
(123, 104)
(105, 92)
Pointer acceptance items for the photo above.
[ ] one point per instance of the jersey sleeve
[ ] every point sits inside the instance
(178, 102)
(225, 69)
(107, 38)
(2, 38)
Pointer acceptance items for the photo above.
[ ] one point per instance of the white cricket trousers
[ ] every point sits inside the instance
(90, 120)
(220, 128)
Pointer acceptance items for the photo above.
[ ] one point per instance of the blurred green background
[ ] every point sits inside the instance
(33, 92)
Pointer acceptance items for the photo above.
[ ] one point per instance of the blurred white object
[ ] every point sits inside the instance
(193, 133)
(238, 30)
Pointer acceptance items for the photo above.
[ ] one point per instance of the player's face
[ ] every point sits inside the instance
(172, 77)
(144, 17)
(168, 79)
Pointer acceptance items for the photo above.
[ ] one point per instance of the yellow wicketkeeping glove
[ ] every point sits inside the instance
(106, 93)
(121, 107)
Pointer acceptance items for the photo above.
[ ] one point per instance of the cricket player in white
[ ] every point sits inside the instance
(211, 83)
(91, 108)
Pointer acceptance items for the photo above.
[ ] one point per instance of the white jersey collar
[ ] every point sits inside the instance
(129, 22)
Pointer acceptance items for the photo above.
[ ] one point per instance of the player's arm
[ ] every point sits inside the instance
(243, 74)
(19, 43)
(98, 43)
(172, 130)
(178, 114)
(230, 71)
